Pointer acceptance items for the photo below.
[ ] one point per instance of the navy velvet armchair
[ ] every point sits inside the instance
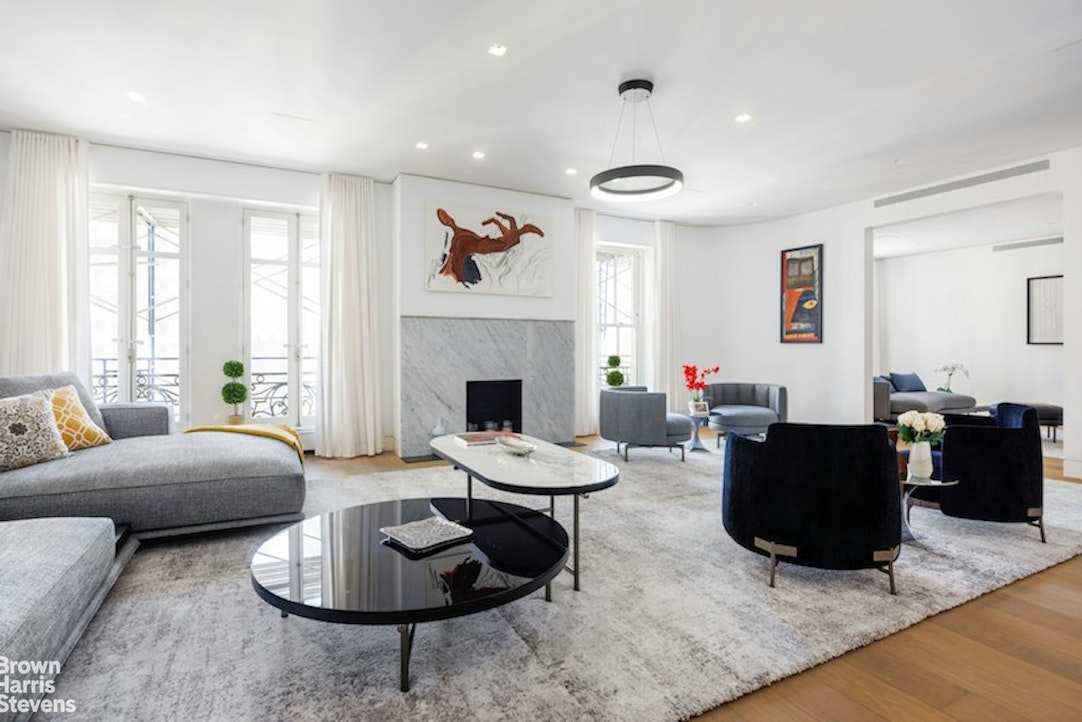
(999, 467)
(817, 495)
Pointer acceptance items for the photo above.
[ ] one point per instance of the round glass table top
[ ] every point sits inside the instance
(340, 567)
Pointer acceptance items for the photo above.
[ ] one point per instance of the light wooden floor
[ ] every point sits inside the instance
(1013, 654)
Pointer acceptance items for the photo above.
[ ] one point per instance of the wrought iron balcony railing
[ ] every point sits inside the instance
(158, 380)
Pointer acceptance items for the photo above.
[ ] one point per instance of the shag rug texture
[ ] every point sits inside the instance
(673, 617)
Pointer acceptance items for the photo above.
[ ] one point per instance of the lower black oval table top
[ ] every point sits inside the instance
(338, 567)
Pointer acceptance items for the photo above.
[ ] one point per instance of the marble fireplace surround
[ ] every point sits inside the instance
(439, 355)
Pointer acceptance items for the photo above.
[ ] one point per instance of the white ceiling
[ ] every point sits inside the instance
(839, 89)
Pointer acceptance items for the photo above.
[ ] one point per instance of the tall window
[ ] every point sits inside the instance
(137, 304)
(283, 316)
(619, 284)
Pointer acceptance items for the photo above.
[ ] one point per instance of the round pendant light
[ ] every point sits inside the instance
(636, 181)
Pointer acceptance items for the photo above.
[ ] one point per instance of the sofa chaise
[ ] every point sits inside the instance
(153, 481)
(895, 394)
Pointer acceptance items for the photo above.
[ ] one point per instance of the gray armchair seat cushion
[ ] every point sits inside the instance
(52, 578)
(677, 427)
(738, 417)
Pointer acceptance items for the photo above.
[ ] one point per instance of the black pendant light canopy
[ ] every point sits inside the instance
(636, 182)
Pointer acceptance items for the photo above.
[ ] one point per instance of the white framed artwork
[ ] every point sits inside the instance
(1044, 310)
(487, 250)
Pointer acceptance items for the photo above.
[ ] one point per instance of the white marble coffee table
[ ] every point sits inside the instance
(551, 471)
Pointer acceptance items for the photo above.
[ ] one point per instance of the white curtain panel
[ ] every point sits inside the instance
(349, 419)
(586, 390)
(665, 342)
(44, 316)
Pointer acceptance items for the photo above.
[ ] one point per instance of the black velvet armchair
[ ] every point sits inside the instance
(999, 467)
(817, 495)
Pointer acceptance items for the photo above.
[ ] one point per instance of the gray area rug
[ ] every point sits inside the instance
(673, 619)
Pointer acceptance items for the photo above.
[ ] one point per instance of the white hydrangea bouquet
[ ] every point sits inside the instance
(916, 426)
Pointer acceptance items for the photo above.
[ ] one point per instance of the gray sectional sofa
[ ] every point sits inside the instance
(68, 526)
(888, 403)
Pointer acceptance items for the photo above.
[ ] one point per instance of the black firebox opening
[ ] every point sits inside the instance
(492, 404)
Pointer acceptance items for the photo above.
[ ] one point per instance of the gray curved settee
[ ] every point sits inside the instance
(745, 408)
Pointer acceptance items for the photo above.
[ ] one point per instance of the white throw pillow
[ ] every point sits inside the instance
(28, 431)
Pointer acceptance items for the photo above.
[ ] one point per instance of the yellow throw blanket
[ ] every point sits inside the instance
(281, 432)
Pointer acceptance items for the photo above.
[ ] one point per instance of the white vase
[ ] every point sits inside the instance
(920, 460)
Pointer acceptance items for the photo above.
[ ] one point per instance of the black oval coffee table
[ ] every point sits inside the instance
(339, 567)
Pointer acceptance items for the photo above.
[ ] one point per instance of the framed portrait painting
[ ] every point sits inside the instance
(802, 295)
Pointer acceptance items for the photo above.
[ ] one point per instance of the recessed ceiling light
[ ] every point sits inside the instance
(478, 154)
(898, 161)
(497, 50)
(420, 145)
(137, 97)
(742, 118)
(571, 171)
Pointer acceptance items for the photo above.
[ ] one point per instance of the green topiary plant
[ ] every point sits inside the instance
(234, 392)
(614, 378)
(614, 361)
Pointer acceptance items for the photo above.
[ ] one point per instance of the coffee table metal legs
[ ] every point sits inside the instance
(575, 570)
(405, 634)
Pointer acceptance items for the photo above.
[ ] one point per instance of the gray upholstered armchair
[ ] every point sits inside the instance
(633, 416)
(746, 408)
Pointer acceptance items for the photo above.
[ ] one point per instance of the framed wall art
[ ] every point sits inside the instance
(487, 250)
(1044, 310)
(802, 295)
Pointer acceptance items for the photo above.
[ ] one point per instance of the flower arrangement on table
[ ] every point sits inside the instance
(922, 429)
(914, 426)
(951, 369)
(695, 381)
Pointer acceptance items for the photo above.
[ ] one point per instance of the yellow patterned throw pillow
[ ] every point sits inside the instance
(76, 427)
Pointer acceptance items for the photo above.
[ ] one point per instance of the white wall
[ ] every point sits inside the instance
(189, 176)
(5, 149)
(729, 298)
(968, 305)
(625, 231)
(730, 290)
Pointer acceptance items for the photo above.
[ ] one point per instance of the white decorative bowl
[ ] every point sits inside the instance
(518, 447)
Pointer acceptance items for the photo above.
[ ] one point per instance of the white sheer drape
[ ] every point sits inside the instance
(350, 423)
(585, 324)
(666, 365)
(43, 274)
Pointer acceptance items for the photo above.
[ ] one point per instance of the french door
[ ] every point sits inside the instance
(138, 305)
(282, 253)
